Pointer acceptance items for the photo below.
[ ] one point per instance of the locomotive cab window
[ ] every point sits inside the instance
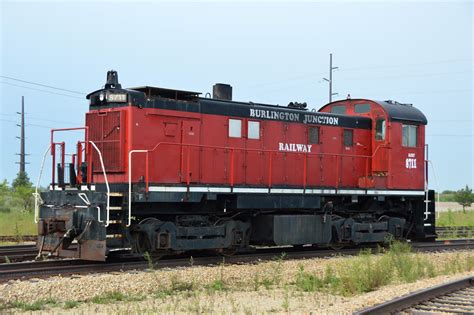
(409, 135)
(362, 108)
(380, 129)
(338, 109)
(235, 128)
(348, 137)
(313, 135)
(253, 131)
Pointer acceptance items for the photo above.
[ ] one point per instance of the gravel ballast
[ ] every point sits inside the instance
(193, 289)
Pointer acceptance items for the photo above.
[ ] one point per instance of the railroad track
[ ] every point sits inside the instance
(42, 269)
(442, 231)
(17, 253)
(18, 238)
(453, 297)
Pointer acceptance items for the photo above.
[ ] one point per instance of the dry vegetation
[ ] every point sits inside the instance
(280, 285)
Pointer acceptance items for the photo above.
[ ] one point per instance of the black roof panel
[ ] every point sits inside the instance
(403, 112)
(167, 93)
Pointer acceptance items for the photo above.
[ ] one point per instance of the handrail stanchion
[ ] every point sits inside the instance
(36, 194)
(146, 171)
(53, 168)
(106, 182)
(79, 161)
(63, 154)
(130, 182)
(89, 165)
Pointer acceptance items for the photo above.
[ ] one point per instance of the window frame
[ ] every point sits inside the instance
(410, 135)
(318, 134)
(348, 131)
(384, 131)
(362, 104)
(252, 122)
(229, 129)
(339, 106)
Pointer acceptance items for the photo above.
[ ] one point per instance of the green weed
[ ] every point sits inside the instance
(113, 296)
(35, 306)
(70, 304)
(179, 285)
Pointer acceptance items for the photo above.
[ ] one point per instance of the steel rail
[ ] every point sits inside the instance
(26, 270)
(456, 296)
(17, 253)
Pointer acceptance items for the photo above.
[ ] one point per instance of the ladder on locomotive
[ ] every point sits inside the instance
(116, 228)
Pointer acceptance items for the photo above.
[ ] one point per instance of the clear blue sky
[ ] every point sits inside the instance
(420, 53)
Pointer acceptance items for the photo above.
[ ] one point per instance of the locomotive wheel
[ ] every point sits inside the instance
(141, 244)
(227, 252)
(336, 246)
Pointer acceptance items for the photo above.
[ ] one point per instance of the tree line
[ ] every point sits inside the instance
(18, 196)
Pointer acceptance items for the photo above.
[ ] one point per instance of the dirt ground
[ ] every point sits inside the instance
(454, 206)
(144, 290)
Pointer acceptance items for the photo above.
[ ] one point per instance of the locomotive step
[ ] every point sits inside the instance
(116, 194)
(115, 208)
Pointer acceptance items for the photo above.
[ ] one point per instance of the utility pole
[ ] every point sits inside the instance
(22, 136)
(331, 68)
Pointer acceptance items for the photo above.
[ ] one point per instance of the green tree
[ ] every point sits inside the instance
(25, 196)
(464, 197)
(21, 179)
(23, 191)
(5, 195)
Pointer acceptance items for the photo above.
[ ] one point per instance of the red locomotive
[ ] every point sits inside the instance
(165, 171)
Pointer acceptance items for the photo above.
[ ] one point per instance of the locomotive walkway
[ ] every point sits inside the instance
(44, 269)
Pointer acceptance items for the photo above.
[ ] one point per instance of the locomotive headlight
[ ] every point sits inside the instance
(101, 97)
(116, 97)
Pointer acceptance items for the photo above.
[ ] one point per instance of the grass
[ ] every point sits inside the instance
(35, 306)
(273, 277)
(368, 272)
(348, 277)
(17, 223)
(446, 197)
(115, 296)
(455, 218)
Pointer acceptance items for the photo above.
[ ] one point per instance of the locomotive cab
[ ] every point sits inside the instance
(397, 142)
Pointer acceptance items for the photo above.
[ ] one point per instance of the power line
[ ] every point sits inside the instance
(407, 76)
(43, 85)
(407, 65)
(313, 75)
(34, 125)
(44, 91)
(43, 119)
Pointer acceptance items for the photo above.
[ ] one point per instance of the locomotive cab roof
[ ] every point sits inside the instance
(395, 111)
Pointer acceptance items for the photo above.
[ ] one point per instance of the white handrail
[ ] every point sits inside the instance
(106, 182)
(36, 194)
(130, 183)
(436, 181)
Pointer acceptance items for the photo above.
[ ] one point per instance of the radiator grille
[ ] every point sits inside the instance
(105, 130)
